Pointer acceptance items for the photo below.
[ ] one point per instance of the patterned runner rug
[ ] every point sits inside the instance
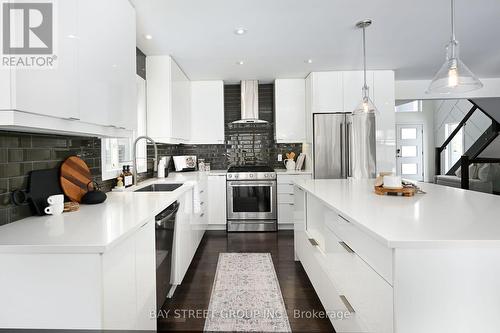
(246, 296)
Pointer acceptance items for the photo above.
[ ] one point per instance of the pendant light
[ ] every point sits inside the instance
(366, 105)
(453, 76)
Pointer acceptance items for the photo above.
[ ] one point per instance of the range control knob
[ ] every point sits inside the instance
(251, 175)
(235, 176)
(230, 176)
(266, 175)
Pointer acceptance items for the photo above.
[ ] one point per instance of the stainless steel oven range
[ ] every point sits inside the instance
(251, 199)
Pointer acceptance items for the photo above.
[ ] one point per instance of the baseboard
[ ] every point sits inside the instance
(285, 226)
(216, 227)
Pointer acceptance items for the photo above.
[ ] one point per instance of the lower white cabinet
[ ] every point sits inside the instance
(111, 290)
(357, 296)
(187, 236)
(217, 197)
(285, 200)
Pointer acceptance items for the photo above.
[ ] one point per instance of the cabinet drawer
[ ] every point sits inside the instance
(285, 213)
(285, 198)
(369, 295)
(377, 255)
(309, 256)
(285, 189)
(290, 179)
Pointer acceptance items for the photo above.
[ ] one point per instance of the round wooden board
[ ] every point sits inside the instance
(74, 178)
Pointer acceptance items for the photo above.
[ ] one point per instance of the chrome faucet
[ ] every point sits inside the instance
(155, 161)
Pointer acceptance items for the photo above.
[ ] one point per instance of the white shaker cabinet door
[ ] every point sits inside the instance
(52, 92)
(327, 92)
(290, 110)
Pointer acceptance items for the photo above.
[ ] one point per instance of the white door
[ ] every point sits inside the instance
(409, 151)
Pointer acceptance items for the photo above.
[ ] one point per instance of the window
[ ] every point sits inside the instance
(409, 106)
(116, 152)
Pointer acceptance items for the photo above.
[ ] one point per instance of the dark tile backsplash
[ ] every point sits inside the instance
(21, 153)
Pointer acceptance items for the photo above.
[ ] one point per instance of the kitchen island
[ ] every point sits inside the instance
(428, 263)
(95, 268)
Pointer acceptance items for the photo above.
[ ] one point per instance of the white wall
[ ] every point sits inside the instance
(426, 118)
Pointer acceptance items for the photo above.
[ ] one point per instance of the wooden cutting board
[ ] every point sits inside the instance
(74, 178)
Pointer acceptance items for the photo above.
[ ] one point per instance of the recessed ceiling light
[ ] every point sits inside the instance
(240, 31)
(308, 61)
(147, 36)
(241, 62)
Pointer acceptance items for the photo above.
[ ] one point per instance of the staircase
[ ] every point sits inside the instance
(486, 149)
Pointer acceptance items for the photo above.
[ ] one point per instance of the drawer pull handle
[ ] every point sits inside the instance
(291, 204)
(202, 191)
(343, 218)
(347, 247)
(313, 242)
(202, 214)
(347, 304)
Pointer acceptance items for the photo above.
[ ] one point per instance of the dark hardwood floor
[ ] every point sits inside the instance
(194, 292)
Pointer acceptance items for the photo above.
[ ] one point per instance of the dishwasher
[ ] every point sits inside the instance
(164, 237)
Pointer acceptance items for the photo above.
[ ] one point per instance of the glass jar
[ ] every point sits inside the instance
(201, 164)
(207, 166)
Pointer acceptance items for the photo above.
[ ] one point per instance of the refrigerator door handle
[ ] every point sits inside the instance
(348, 149)
(342, 171)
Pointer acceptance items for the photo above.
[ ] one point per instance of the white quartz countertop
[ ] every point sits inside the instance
(292, 172)
(94, 228)
(443, 217)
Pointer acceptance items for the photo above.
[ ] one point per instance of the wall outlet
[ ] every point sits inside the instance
(280, 158)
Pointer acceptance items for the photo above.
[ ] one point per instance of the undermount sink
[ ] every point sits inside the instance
(159, 188)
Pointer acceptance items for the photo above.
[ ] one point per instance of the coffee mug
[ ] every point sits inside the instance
(56, 199)
(54, 209)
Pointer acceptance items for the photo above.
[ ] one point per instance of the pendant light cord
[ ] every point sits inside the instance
(453, 21)
(364, 58)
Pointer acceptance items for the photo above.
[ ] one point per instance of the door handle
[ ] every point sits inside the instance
(313, 242)
(398, 153)
(342, 149)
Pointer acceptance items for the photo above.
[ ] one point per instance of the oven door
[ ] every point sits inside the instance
(251, 200)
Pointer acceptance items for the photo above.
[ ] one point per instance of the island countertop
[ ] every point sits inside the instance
(94, 228)
(443, 217)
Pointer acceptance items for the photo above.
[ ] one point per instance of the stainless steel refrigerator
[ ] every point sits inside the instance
(344, 146)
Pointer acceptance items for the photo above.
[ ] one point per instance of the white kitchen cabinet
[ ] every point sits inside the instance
(91, 90)
(181, 100)
(168, 100)
(327, 90)
(52, 92)
(207, 112)
(101, 291)
(187, 236)
(106, 65)
(217, 197)
(290, 109)
(285, 192)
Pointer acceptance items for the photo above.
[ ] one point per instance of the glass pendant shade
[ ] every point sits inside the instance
(453, 76)
(366, 106)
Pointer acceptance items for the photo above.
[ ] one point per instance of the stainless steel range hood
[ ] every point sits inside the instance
(250, 103)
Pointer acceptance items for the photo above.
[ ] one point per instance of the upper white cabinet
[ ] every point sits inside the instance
(107, 61)
(207, 112)
(290, 103)
(168, 100)
(327, 90)
(181, 100)
(91, 90)
(52, 92)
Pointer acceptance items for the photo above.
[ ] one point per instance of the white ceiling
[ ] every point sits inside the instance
(407, 35)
